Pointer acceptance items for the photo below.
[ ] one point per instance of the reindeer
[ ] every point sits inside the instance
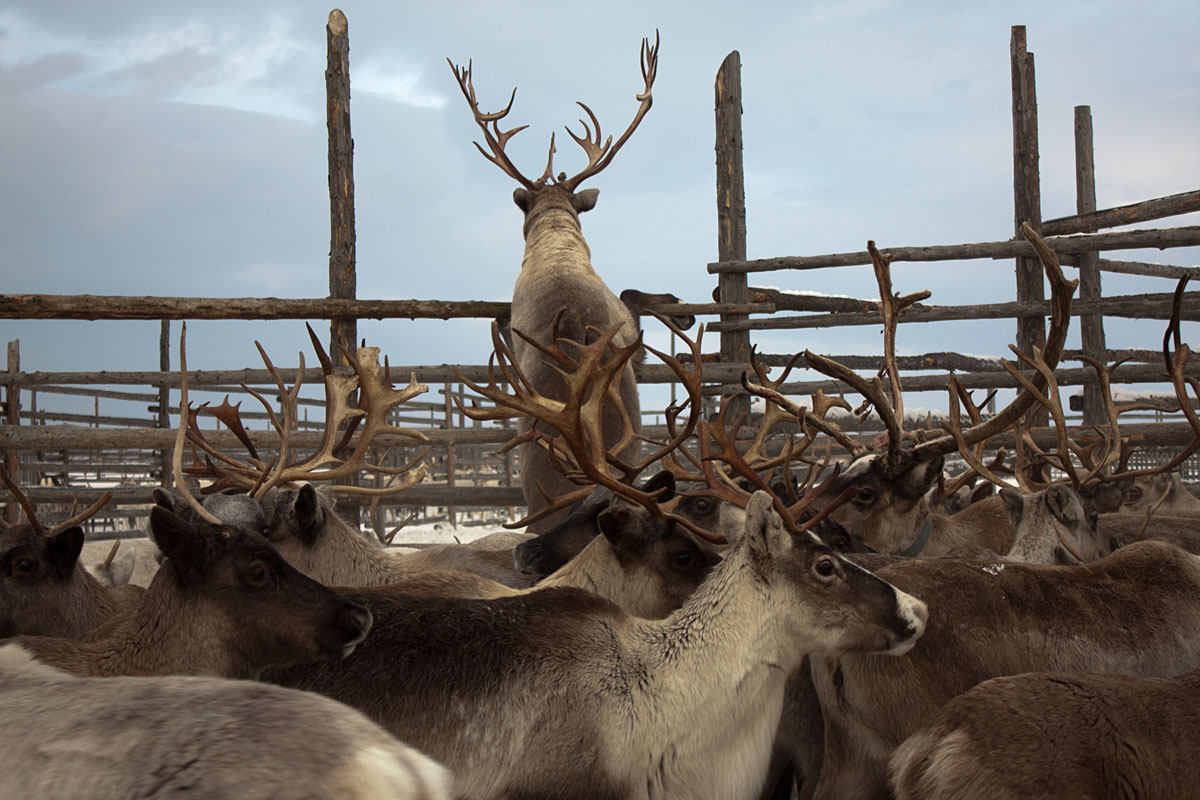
(1050, 735)
(557, 290)
(301, 522)
(685, 706)
(44, 590)
(225, 604)
(99, 738)
(648, 705)
(1164, 490)
(887, 510)
(995, 618)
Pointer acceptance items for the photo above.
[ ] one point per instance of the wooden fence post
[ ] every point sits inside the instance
(343, 283)
(12, 416)
(732, 287)
(1027, 197)
(166, 478)
(1091, 325)
(449, 425)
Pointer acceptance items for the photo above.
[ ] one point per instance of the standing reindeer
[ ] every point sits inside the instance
(557, 292)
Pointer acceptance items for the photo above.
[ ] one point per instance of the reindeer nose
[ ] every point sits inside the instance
(354, 620)
(525, 555)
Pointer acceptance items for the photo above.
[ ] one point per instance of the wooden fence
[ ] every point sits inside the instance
(129, 452)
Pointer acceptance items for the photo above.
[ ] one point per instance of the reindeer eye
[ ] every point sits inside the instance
(703, 505)
(865, 495)
(256, 575)
(23, 566)
(825, 567)
(683, 559)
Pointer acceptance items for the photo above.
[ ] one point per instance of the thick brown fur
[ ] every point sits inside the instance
(557, 274)
(45, 591)
(558, 693)
(1052, 735)
(224, 604)
(1135, 612)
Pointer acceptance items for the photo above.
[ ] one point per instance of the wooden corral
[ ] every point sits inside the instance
(70, 457)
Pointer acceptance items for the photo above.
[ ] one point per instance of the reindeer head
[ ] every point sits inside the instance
(549, 194)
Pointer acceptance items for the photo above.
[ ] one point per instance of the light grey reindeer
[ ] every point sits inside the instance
(102, 738)
(558, 693)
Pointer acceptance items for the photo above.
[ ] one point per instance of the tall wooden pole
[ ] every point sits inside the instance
(12, 416)
(1091, 326)
(164, 400)
(343, 283)
(732, 287)
(1027, 195)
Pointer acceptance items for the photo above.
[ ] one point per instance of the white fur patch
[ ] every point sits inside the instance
(993, 569)
(379, 773)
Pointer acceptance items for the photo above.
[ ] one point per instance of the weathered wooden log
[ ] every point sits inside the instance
(1126, 373)
(1144, 306)
(343, 279)
(1160, 238)
(419, 495)
(227, 380)
(1027, 195)
(93, 307)
(1158, 208)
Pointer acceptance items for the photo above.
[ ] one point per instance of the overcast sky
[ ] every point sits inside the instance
(161, 148)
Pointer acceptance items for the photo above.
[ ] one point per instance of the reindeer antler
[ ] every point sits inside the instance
(599, 155)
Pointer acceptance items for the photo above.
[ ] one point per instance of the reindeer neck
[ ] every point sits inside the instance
(93, 604)
(731, 620)
(344, 557)
(716, 671)
(554, 241)
(589, 570)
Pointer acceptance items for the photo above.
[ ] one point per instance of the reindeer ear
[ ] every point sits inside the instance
(917, 480)
(62, 550)
(663, 480)
(181, 542)
(618, 525)
(168, 499)
(307, 514)
(523, 198)
(585, 200)
(762, 524)
(1014, 504)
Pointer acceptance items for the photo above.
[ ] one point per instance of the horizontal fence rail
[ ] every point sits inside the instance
(1083, 243)
(116, 307)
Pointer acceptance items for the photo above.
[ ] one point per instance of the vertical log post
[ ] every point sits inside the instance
(343, 282)
(164, 400)
(12, 416)
(449, 425)
(1091, 326)
(1027, 199)
(732, 287)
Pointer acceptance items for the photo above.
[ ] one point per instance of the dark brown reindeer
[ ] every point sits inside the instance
(1050, 735)
(44, 590)
(224, 604)
(1136, 612)
(557, 279)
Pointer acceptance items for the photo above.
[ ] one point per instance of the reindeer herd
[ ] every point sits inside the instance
(721, 614)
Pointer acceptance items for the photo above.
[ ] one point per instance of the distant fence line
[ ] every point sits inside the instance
(741, 308)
